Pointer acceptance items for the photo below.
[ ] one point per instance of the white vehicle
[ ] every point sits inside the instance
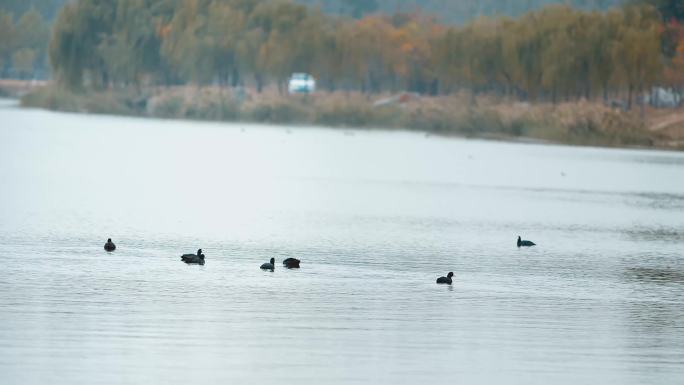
(301, 83)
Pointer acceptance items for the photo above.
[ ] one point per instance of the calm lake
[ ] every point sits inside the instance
(375, 218)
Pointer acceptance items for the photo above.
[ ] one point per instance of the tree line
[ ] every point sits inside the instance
(47, 8)
(23, 44)
(555, 53)
(450, 11)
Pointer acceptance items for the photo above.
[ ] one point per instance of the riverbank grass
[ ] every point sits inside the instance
(580, 123)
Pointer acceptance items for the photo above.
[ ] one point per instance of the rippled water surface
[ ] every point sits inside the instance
(374, 216)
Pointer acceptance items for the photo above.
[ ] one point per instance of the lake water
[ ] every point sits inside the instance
(375, 218)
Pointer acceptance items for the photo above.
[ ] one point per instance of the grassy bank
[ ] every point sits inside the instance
(460, 115)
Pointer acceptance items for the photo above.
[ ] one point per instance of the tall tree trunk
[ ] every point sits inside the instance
(640, 100)
(587, 91)
(235, 77)
(259, 82)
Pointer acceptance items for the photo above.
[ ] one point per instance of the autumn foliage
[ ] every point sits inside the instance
(553, 54)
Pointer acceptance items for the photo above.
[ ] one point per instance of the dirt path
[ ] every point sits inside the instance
(663, 122)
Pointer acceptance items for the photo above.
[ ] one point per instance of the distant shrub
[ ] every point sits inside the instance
(53, 98)
(434, 120)
(105, 103)
(219, 109)
(166, 107)
(456, 121)
(61, 99)
(517, 127)
(282, 111)
(356, 112)
(208, 104)
(342, 114)
(478, 121)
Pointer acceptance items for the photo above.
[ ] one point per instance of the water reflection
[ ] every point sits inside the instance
(654, 234)
(666, 275)
(659, 201)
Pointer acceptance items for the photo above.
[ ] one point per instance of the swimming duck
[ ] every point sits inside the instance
(525, 243)
(269, 266)
(197, 259)
(446, 280)
(291, 263)
(109, 246)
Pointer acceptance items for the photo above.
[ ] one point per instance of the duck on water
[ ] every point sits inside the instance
(524, 243)
(445, 280)
(291, 263)
(269, 266)
(109, 246)
(196, 259)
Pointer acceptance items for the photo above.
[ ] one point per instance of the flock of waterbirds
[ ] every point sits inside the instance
(292, 263)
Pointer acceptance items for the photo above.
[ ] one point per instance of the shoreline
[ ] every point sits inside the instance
(462, 116)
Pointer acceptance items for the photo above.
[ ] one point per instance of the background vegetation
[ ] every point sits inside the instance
(556, 53)
(141, 56)
(23, 44)
(450, 11)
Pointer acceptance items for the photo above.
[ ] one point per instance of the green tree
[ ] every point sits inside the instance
(23, 61)
(7, 38)
(32, 35)
(77, 34)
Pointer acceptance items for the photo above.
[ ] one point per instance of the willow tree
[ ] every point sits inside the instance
(291, 38)
(83, 33)
(636, 51)
(186, 45)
